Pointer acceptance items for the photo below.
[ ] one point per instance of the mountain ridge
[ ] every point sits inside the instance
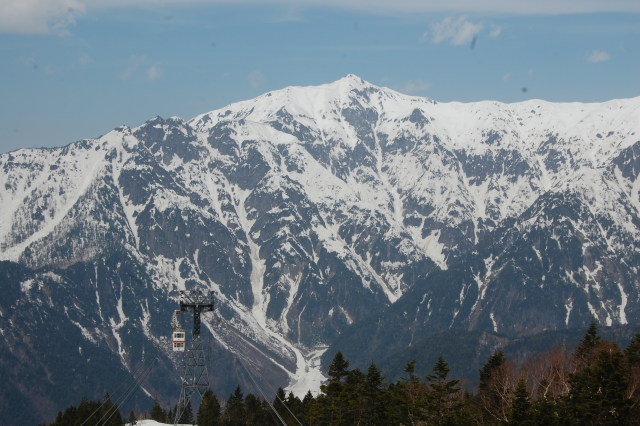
(310, 209)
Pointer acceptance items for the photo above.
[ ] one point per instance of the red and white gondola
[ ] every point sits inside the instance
(178, 340)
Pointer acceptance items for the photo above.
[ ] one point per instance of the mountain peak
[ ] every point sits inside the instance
(352, 81)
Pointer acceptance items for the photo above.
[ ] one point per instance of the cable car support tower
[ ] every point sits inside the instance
(195, 377)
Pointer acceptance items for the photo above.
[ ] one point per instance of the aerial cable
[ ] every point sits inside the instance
(278, 398)
(126, 398)
(262, 393)
(285, 406)
(276, 393)
(95, 411)
(116, 409)
(122, 384)
(130, 392)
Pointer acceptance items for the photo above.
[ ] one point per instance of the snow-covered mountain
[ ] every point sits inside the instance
(307, 210)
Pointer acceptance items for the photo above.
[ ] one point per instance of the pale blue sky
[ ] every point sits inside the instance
(74, 69)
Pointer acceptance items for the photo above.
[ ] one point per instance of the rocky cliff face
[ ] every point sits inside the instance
(311, 212)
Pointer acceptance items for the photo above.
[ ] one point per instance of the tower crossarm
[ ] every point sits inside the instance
(197, 302)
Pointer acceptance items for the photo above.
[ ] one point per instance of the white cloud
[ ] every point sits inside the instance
(598, 56)
(55, 16)
(154, 73)
(39, 16)
(495, 31)
(414, 87)
(520, 7)
(32, 63)
(137, 68)
(135, 62)
(292, 13)
(84, 59)
(256, 79)
(454, 31)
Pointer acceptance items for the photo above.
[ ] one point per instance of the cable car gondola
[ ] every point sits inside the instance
(178, 341)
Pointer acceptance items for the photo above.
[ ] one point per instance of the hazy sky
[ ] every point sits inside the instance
(74, 69)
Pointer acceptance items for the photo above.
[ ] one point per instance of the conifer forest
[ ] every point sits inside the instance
(597, 383)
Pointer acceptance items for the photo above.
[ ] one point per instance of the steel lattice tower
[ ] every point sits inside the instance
(195, 375)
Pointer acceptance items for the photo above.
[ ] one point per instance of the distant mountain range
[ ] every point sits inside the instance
(344, 216)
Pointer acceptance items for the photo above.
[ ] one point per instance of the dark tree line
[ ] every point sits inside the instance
(90, 412)
(597, 384)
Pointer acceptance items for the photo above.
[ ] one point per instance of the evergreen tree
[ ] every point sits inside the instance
(338, 369)
(632, 360)
(632, 351)
(407, 397)
(67, 417)
(158, 413)
(585, 351)
(374, 380)
(132, 418)
(296, 407)
(598, 390)
(521, 405)
(494, 390)
(109, 413)
(289, 407)
(90, 412)
(320, 410)
(374, 403)
(350, 403)
(307, 404)
(490, 368)
(545, 411)
(330, 409)
(258, 412)
(278, 402)
(187, 415)
(444, 394)
(58, 420)
(209, 411)
(307, 398)
(235, 410)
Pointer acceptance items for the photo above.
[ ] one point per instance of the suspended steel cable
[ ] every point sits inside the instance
(122, 384)
(142, 379)
(129, 393)
(137, 382)
(262, 393)
(95, 411)
(128, 396)
(265, 398)
(287, 408)
(278, 398)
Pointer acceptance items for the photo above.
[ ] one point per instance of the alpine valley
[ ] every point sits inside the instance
(343, 217)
